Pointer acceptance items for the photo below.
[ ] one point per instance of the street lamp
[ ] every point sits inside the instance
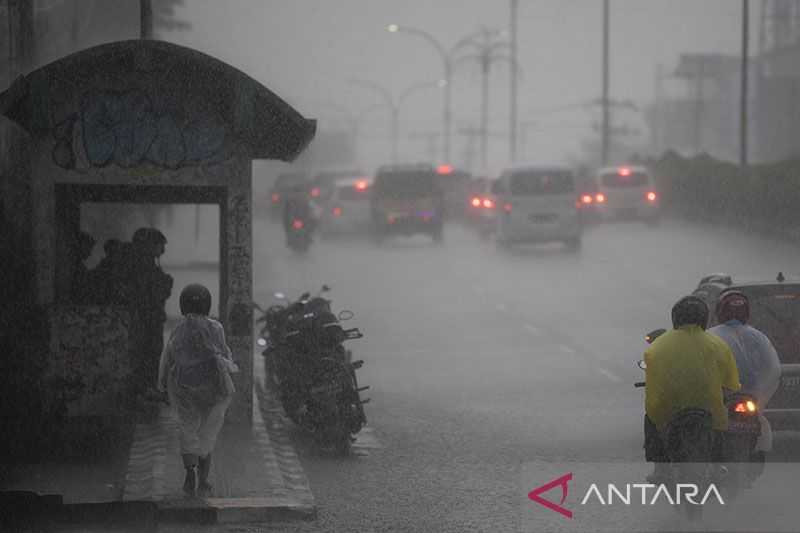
(394, 104)
(447, 64)
(487, 46)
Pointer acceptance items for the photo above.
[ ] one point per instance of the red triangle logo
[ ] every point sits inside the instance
(563, 481)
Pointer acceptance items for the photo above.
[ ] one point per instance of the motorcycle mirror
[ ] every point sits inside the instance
(641, 364)
(279, 296)
(346, 315)
(653, 335)
(304, 296)
(261, 342)
(325, 288)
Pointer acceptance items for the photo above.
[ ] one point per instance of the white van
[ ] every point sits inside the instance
(626, 192)
(537, 204)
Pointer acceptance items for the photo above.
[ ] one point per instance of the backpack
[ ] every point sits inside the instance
(202, 381)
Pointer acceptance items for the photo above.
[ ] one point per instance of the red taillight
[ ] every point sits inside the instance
(748, 406)
(275, 198)
(298, 224)
(444, 169)
(337, 211)
(507, 208)
(315, 192)
(600, 198)
(586, 199)
(476, 202)
(624, 171)
(651, 196)
(390, 219)
(361, 185)
(488, 204)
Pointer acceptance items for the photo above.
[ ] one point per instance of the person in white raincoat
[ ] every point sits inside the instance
(756, 358)
(195, 371)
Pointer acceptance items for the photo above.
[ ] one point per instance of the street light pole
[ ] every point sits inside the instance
(394, 105)
(447, 63)
(743, 96)
(606, 112)
(512, 127)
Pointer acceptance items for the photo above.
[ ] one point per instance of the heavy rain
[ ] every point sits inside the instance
(409, 266)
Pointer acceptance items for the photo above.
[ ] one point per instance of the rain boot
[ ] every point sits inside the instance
(190, 483)
(204, 488)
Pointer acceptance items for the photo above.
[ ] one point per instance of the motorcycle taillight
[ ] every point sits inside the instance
(745, 407)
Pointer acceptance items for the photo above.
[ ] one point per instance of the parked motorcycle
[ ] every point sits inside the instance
(307, 364)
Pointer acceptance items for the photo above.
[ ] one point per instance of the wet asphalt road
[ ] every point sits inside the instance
(481, 360)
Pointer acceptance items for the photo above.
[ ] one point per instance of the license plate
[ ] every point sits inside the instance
(540, 219)
(741, 426)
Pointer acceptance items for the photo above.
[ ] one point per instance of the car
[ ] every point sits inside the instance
(348, 207)
(537, 204)
(322, 184)
(406, 200)
(482, 206)
(626, 192)
(454, 184)
(775, 311)
(285, 184)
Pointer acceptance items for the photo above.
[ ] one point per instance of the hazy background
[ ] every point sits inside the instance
(306, 50)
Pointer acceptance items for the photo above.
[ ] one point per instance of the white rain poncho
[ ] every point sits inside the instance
(197, 338)
(758, 364)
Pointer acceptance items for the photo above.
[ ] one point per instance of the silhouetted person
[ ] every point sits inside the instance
(149, 290)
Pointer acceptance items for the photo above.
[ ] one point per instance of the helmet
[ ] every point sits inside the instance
(195, 299)
(690, 310)
(149, 235)
(733, 305)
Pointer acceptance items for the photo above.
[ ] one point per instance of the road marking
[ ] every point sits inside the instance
(566, 349)
(533, 329)
(501, 307)
(610, 375)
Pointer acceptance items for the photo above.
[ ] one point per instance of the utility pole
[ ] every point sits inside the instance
(146, 15)
(512, 128)
(743, 101)
(657, 122)
(606, 112)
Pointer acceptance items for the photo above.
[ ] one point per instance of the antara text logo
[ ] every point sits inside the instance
(627, 494)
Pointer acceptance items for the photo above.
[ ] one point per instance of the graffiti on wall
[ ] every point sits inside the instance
(125, 129)
(92, 351)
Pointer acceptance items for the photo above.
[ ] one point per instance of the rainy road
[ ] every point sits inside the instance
(481, 360)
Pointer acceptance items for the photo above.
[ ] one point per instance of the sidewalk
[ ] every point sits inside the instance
(256, 474)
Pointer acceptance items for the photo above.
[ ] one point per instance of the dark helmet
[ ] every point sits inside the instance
(195, 299)
(149, 236)
(690, 310)
(733, 305)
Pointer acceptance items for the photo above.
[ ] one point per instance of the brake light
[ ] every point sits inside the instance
(275, 198)
(337, 211)
(476, 202)
(390, 219)
(315, 192)
(487, 203)
(298, 224)
(586, 199)
(361, 185)
(444, 169)
(507, 208)
(748, 406)
(651, 196)
(624, 171)
(600, 198)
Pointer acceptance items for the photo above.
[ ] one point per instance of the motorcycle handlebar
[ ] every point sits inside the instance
(639, 384)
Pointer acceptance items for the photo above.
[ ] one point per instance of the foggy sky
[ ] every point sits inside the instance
(306, 50)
